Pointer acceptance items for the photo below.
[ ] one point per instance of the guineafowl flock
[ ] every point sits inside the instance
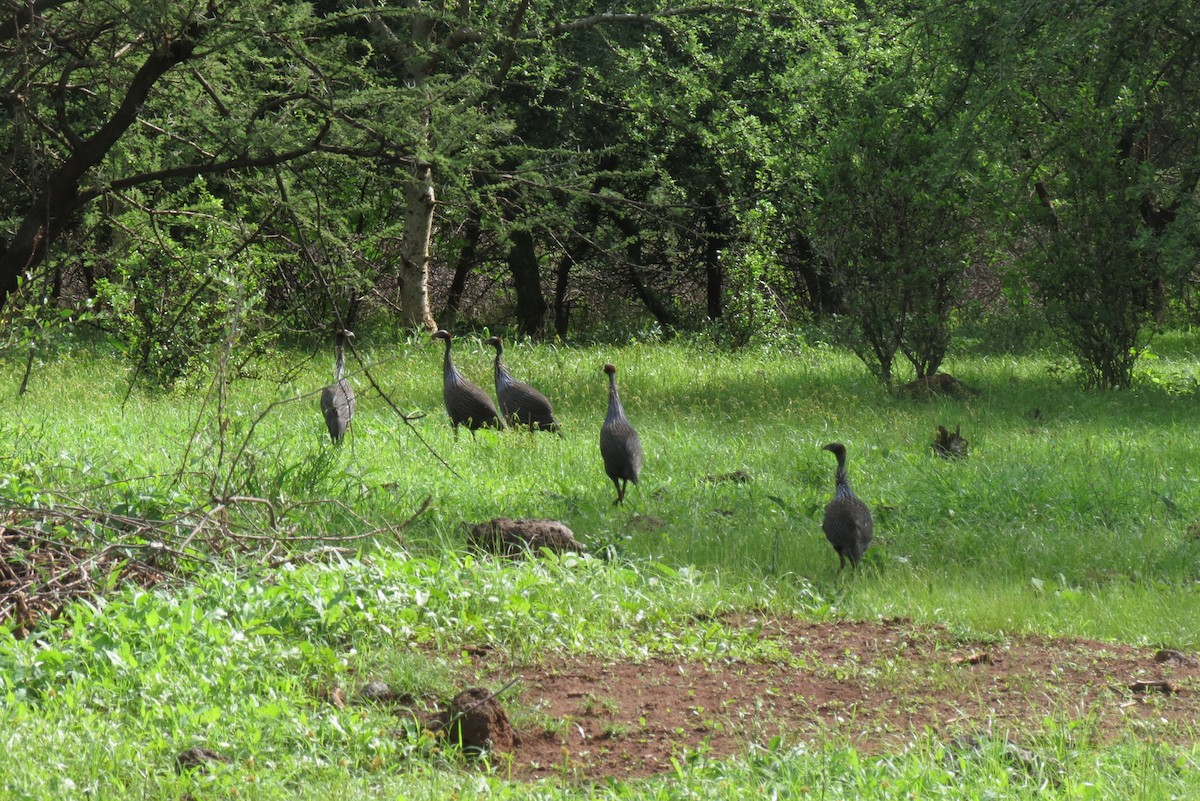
(848, 524)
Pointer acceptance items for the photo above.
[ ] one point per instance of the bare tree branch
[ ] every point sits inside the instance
(26, 14)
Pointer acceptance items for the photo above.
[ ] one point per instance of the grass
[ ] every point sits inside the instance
(1071, 517)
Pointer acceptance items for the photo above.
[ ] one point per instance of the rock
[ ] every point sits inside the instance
(505, 536)
(198, 758)
(376, 691)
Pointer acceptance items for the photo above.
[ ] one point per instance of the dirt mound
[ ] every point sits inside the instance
(513, 538)
(477, 723)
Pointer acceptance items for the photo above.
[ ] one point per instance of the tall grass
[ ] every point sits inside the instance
(1072, 515)
(1065, 494)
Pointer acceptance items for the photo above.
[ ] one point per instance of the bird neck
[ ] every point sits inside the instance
(615, 409)
(447, 363)
(339, 362)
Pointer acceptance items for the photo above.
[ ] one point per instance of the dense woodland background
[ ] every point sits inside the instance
(180, 175)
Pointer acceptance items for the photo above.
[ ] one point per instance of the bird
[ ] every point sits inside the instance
(337, 399)
(520, 403)
(848, 525)
(950, 445)
(466, 403)
(619, 442)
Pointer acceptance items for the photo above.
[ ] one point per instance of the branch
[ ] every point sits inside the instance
(94, 149)
(48, 214)
(608, 18)
(25, 16)
(192, 170)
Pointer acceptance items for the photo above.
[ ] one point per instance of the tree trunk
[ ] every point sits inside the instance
(413, 56)
(713, 275)
(531, 305)
(462, 268)
(413, 271)
(562, 283)
(633, 257)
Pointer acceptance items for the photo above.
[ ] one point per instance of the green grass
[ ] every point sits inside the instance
(1071, 521)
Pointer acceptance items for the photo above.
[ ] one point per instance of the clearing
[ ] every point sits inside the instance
(871, 685)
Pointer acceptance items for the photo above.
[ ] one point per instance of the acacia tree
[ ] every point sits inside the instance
(114, 74)
(635, 138)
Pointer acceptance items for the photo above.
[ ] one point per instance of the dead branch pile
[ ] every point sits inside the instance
(52, 556)
(41, 572)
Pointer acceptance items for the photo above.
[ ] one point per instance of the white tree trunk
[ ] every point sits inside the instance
(413, 269)
(419, 199)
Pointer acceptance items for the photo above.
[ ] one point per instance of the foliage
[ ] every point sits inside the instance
(746, 165)
(893, 213)
(756, 304)
(1093, 103)
(177, 289)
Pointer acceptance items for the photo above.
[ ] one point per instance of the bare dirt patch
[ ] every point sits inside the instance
(873, 685)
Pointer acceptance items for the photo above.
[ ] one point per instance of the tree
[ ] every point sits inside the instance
(1097, 106)
(893, 217)
(112, 72)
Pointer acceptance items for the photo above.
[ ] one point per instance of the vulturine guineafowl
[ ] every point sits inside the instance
(848, 525)
(619, 442)
(466, 403)
(520, 403)
(337, 399)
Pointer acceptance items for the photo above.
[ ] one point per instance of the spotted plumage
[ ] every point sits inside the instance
(467, 404)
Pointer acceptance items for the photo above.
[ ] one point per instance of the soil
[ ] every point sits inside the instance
(875, 686)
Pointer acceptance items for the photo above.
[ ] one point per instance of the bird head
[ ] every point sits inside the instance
(343, 334)
(495, 342)
(610, 370)
(441, 333)
(836, 448)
